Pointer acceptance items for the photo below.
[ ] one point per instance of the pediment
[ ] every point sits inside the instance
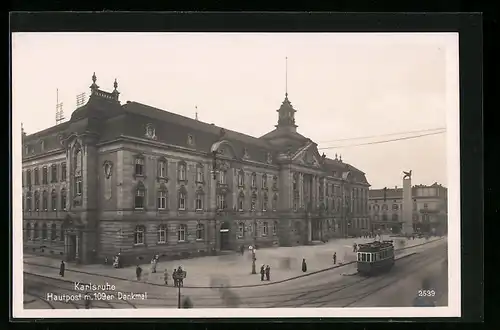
(308, 155)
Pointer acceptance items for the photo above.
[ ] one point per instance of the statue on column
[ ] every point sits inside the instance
(407, 175)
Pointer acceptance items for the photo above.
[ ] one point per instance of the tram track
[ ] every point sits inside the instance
(410, 264)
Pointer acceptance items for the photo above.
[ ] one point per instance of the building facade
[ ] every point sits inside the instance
(138, 180)
(430, 209)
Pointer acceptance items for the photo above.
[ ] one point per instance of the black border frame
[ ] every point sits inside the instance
(469, 27)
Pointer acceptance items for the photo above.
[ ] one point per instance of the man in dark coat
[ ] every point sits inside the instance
(304, 265)
(262, 272)
(334, 258)
(268, 273)
(62, 268)
(138, 272)
(174, 274)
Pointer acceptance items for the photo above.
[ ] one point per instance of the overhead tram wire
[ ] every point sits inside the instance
(385, 135)
(383, 141)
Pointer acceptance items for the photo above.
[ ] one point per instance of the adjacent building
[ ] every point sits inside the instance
(430, 208)
(138, 180)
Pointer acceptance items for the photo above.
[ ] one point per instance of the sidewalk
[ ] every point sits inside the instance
(233, 270)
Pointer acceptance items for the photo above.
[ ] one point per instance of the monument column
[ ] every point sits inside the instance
(407, 204)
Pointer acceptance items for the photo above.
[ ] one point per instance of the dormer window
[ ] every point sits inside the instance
(26, 150)
(190, 140)
(42, 145)
(150, 132)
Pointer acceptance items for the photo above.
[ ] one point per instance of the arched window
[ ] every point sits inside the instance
(36, 233)
(28, 178)
(181, 171)
(53, 173)
(275, 202)
(53, 200)
(200, 232)
(45, 175)
(63, 172)
(45, 200)
(264, 181)
(199, 200)
(162, 197)
(139, 235)
(44, 231)
(182, 233)
(140, 194)
(53, 232)
(265, 200)
(28, 232)
(265, 229)
(221, 202)
(37, 177)
(241, 201)
(395, 217)
(241, 178)
(275, 182)
(253, 204)
(162, 234)
(275, 228)
(63, 199)
(254, 180)
(182, 198)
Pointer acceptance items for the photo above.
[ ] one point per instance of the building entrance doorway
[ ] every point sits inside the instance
(224, 232)
(71, 256)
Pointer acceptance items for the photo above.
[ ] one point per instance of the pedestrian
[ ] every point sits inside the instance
(174, 277)
(165, 276)
(62, 268)
(138, 272)
(354, 247)
(304, 265)
(262, 272)
(242, 249)
(180, 272)
(268, 273)
(153, 264)
(334, 258)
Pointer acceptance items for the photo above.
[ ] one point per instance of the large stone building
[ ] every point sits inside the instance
(139, 180)
(430, 208)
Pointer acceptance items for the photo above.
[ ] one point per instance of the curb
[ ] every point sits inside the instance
(226, 287)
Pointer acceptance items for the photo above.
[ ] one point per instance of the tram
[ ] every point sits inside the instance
(375, 257)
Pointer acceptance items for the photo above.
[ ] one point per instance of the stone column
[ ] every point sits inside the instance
(407, 207)
(301, 190)
(77, 248)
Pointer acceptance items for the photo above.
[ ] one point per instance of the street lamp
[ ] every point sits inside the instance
(252, 248)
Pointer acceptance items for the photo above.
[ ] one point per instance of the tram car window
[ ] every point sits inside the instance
(375, 257)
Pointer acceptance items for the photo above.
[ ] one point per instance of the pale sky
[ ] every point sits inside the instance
(343, 86)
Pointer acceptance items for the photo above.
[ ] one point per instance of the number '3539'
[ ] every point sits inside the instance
(426, 293)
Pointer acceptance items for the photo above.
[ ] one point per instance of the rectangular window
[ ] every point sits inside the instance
(200, 232)
(139, 199)
(139, 166)
(53, 173)
(139, 236)
(264, 181)
(254, 180)
(162, 169)
(63, 200)
(162, 234)
(199, 174)
(63, 172)
(275, 228)
(45, 175)
(241, 230)
(53, 202)
(264, 229)
(241, 179)
(37, 179)
(181, 233)
(162, 200)
(221, 202)
(78, 186)
(222, 177)
(182, 172)
(199, 202)
(275, 182)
